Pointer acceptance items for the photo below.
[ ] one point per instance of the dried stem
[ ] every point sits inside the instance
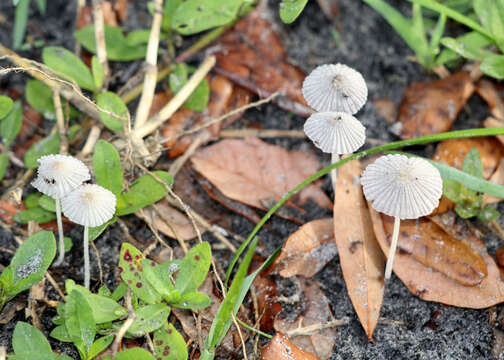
(393, 247)
(176, 102)
(60, 121)
(80, 6)
(125, 326)
(98, 261)
(136, 91)
(101, 49)
(267, 133)
(308, 330)
(149, 84)
(93, 136)
(205, 40)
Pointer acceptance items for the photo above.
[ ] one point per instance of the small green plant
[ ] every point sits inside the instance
(10, 123)
(21, 17)
(28, 266)
(469, 202)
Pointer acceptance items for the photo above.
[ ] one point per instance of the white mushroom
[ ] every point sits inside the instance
(402, 187)
(57, 176)
(335, 87)
(89, 205)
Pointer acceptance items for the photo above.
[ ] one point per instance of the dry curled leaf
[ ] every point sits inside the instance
(252, 55)
(258, 174)
(489, 93)
(280, 348)
(432, 285)
(431, 107)
(362, 261)
(307, 250)
(316, 312)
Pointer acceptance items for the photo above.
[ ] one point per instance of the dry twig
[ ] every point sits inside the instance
(101, 49)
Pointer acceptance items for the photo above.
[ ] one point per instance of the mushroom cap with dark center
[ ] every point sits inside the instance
(403, 187)
(335, 132)
(89, 205)
(335, 87)
(58, 175)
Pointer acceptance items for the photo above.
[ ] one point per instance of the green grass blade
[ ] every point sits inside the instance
(20, 20)
(431, 4)
(387, 147)
(437, 34)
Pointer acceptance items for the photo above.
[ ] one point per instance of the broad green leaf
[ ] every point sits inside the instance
(159, 276)
(169, 9)
(27, 339)
(488, 213)
(96, 231)
(31, 261)
(493, 65)
(118, 48)
(134, 354)
(472, 163)
(193, 16)
(113, 103)
(437, 34)
(107, 167)
(41, 4)
(100, 345)
(46, 146)
(138, 37)
(11, 124)
(31, 201)
(60, 333)
(70, 66)
(47, 203)
(37, 214)
(148, 319)
(20, 20)
(98, 72)
(200, 96)
(120, 291)
(169, 344)
(4, 162)
(470, 45)
(130, 267)
(39, 96)
(144, 191)
(79, 322)
(194, 268)
(466, 211)
(104, 309)
(451, 189)
(291, 9)
(193, 300)
(6, 105)
(491, 16)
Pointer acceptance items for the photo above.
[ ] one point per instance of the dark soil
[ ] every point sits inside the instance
(421, 330)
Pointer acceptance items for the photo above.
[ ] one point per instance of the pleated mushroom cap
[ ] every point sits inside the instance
(58, 175)
(335, 87)
(403, 187)
(335, 132)
(89, 205)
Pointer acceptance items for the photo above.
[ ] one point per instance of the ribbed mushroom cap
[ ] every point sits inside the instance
(335, 132)
(335, 87)
(58, 175)
(89, 205)
(403, 187)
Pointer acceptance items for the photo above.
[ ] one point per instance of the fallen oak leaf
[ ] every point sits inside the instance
(431, 107)
(362, 261)
(317, 311)
(280, 348)
(256, 173)
(307, 250)
(498, 178)
(431, 285)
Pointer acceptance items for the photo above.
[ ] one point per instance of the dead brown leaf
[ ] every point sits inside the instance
(252, 55)
(387, 109)
(498, 178)
(452, 152)
(256, 173)
(491, 122)
(362, 261)
(431, 107)
(316, 311)
(280, 348)
(307, 250)
(330, 8)
(487, 91)
(8, 209)
(432, 285)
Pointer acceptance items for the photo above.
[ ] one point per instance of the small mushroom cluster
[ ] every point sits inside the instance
(396, 185)
(63, 178)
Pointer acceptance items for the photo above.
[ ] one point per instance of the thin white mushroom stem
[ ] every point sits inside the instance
(61, 255)
(334, 172)
(393, 247)
(87, 275)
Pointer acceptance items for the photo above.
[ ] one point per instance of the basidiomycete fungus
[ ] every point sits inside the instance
(335, 87)
(89, 205)
(402, 187)
(57, 176)
(336, 133)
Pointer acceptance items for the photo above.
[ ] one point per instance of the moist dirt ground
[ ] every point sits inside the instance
(410, 328)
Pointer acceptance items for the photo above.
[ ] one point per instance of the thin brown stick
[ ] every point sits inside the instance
(170, 225)
(308, 330)
(60, 121)
(266, 133)
(54, 284)
(128, 96)
(80, 6)
(101, 48)
(181, 160)
(93, 136)
(149, 84)
(244, 348)
(98, 261)
(176, 102)
(126, 325)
